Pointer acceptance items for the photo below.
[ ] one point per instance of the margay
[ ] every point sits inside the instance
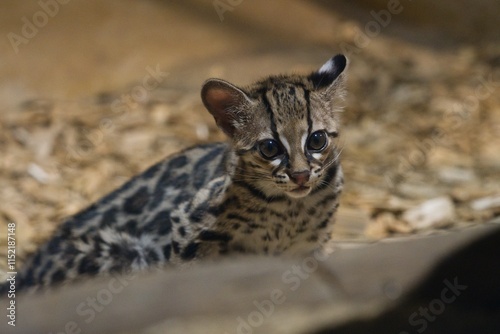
(272, 189)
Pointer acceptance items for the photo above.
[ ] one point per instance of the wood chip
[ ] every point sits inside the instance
(486, 203)
(431, 213)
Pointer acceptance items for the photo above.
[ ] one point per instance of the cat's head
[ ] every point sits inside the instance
(283, 128)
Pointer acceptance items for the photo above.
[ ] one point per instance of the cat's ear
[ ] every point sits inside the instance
(330, 74)
(226, 103)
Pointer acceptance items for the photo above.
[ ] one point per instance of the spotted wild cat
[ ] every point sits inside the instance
(272, 189)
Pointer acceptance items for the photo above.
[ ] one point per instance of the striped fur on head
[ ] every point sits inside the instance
(282, 128)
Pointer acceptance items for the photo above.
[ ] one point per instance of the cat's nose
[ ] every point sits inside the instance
(301, 177)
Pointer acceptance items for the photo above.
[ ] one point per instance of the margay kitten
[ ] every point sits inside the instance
(272, 189)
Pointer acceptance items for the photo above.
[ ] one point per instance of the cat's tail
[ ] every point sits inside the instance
(4, 289)
(11, 285)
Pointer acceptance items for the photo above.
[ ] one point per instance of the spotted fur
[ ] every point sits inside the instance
(222, 197)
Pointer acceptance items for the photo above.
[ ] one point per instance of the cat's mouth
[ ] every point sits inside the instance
(299, 191)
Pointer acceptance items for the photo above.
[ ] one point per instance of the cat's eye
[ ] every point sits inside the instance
(317, 141)
(269, 148)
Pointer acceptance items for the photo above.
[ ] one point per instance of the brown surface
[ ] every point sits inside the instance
(62, 146)
(350, 284)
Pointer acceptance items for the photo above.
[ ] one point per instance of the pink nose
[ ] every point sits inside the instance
(300, 178)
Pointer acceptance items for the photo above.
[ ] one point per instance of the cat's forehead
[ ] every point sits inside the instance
(289, 103)
(286, 96)
(280, 83)
(293, 105)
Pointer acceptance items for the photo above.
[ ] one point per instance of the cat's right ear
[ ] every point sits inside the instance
(226, 103)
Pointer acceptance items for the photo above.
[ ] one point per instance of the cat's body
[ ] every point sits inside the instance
(273, 189)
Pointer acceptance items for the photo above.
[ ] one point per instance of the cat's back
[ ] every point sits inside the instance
(160, 188)
(131, 228)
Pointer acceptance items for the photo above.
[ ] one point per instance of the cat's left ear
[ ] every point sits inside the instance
(330, 74)
(227, 104)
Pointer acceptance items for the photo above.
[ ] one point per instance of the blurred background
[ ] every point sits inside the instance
(93, 92)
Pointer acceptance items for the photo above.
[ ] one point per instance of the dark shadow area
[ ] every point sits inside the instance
(436, 24)
(461, 295)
